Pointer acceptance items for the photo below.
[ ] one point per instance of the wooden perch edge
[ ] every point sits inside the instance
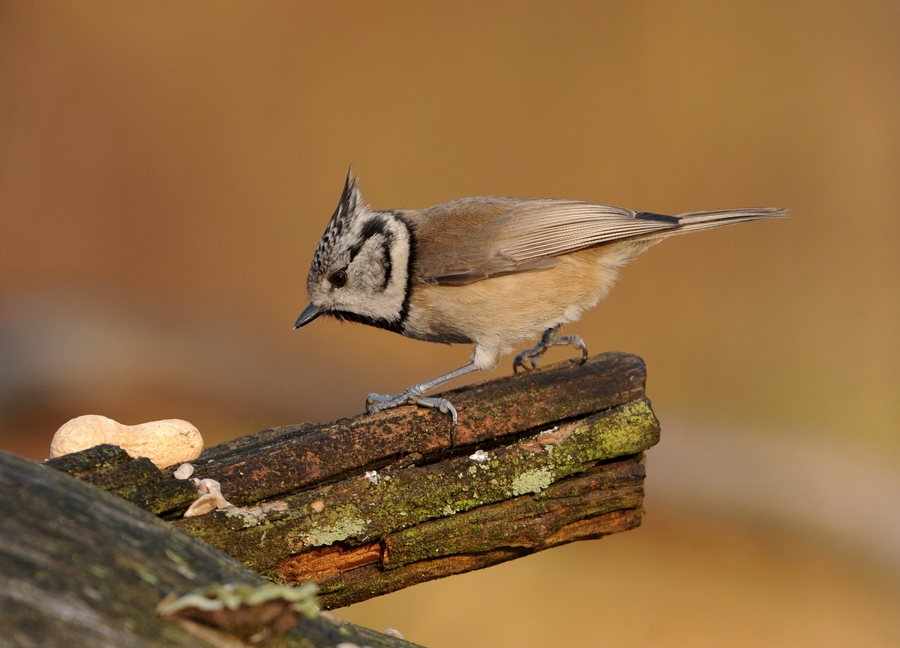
(371, 504)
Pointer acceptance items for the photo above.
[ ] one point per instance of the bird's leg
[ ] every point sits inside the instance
(415, 395)
(548, 339)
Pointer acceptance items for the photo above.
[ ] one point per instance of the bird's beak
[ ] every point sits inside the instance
(309, 313)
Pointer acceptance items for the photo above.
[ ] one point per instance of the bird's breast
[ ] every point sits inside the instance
(502, 312)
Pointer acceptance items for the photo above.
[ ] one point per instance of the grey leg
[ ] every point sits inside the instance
(548, 340)
(415, 395)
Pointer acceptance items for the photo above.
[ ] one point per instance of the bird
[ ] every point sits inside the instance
(491, 271)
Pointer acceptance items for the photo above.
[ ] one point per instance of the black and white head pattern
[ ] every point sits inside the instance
(360, 270)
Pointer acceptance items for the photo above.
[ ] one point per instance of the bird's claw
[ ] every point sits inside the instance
(529, 356)
(548, 339)
(578, 343)
(377, 402)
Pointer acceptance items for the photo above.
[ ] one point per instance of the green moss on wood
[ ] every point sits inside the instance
(360, 509)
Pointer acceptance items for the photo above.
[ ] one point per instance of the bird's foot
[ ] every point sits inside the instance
(531, 356)
(548, 339)
(412, 396)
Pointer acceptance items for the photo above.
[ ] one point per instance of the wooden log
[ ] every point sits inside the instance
(285, 459)
(81, 567)
(370, 504)
(137, 480)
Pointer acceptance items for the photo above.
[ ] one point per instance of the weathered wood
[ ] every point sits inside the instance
(137, 480)
(509, 484)
(286, 459)
(81, 567)
(607, 499)
(370, 504)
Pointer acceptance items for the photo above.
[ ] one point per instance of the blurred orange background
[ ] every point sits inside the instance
(166, 170)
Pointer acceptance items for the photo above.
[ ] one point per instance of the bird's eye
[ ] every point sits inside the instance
(338, 279)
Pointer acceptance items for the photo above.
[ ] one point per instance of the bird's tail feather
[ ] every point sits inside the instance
(696, 221)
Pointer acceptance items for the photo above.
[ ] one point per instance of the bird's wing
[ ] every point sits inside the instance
(475, 238)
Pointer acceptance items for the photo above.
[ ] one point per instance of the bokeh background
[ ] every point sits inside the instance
(167, 168)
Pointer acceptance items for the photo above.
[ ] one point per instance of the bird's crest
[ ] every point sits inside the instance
(348, 209)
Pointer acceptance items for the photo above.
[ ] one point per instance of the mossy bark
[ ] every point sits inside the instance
(371, 504)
